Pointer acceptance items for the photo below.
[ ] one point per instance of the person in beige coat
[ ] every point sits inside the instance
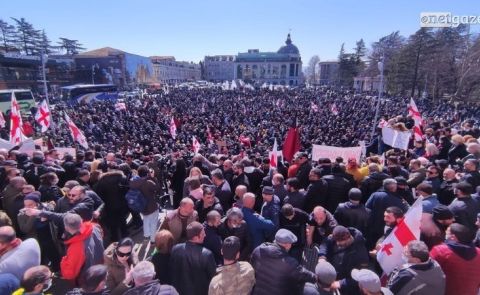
(120, 260)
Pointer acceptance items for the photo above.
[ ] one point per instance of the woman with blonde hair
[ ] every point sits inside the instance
(458, 149)
(431, 152)
(195, 173)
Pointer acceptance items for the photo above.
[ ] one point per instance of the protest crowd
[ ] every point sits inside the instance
(221, 210)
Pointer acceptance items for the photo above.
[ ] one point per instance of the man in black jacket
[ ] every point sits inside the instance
(239, 177)
(193, 266)
(353, 213)
(373, 182)
(317, 190)
(345, 250)
(276, 272)
(464, 207)
(303, 170)
(338, 188)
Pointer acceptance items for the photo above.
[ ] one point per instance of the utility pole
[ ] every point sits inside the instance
(94, 66)
(380, 92)
(44, 59)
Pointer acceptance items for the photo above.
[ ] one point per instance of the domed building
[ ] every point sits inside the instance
(283, 67)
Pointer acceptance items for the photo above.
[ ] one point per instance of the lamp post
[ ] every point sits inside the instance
(380, 91)
(94, 66)
(44, 59)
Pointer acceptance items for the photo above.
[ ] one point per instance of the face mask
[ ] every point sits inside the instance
(47, 285)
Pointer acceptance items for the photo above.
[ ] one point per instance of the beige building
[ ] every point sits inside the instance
(219, 68)
(167, 70)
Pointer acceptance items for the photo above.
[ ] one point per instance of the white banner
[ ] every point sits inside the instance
(395, 138)
(332, 152)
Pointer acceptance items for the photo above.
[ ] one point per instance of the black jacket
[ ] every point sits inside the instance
(446, 194)
(345, 260)
(112, 187)
(241, 233)
(241, 179)
(316, 195)
(152, 288)
(371, 184)
(456, 152)
(338, 188)
(352, 215)
(192, 268)
(465, 211)
(276, 272)
(302, 174)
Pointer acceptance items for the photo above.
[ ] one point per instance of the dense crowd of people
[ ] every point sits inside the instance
(237, 222)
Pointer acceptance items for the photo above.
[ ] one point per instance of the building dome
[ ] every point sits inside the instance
(289, 48)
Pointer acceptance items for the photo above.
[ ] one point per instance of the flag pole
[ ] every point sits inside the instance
(379, 98)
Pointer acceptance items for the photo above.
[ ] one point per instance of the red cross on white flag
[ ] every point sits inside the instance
(195, 145)
(417, 117)
(77, 134)
(42, 116)
(16, 123)
(273, 155)
(173, 128)
(389, 256)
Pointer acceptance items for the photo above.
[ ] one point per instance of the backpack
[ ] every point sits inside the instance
(136, 201)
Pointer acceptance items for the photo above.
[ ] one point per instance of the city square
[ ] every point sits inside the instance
(239, 148)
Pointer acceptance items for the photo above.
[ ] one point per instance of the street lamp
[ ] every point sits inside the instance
(44, 59)
(94, 66)
(380, 91)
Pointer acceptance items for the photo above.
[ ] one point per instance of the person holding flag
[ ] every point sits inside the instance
(274, 155)
(417, 118)
(17, 134)
(195, 145)
(43, 117)
(77, 134)
(173, 128)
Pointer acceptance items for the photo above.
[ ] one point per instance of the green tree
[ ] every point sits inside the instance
(70, 46)
(7, 36)
(26, 36)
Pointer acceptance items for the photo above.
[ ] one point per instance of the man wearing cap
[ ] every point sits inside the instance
(353, 213)
(271, 205)
(326, 275)
(276, 272)
(419, 275)
(460, 260)
(369, 282)
(235, 277)
(433, 227)
(346, 250)
(378, 203)
(464, 207)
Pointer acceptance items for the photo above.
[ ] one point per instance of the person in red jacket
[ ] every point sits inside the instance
(84, 244)
(460, 261)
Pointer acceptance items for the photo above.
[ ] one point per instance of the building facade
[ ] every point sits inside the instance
(367, 83)
(167, 70)
(113, 66)
(327, 73)
(219, 68)
(283, 67)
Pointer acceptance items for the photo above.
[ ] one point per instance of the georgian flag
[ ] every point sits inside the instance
(2, 120)
(173, 128)
(120, 106)
(389, 255)
(77, 134)
(16, 123)
(314, 107)
(43, 116)
(333, 109)
(195, 145)
(417, 117)
(209, 135)
(273, 155)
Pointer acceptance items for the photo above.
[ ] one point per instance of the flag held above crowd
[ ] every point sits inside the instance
(417, 118)
(43, 116)
(16, 124)
(389, 256)
(76, 133)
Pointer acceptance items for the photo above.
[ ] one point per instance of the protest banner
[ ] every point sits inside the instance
(332, 152)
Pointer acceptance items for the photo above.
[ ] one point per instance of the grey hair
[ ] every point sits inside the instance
(388, 181)
(249, 196)
(217, 173)
(143, 271)
(234, 212)
(72, 220)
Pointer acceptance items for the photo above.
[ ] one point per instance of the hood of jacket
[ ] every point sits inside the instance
(466, 251)
(86, 230)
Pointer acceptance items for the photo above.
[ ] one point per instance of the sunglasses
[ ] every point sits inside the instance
(120, 254)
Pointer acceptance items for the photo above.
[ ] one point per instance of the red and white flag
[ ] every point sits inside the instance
(417, 117)
(173, 128)
(16, 123)
(120, 106)
(389, 256)
(43, 116)
(333, 109)
(2, 120)
(195, 145)
(273, 155)
(314, 107)
(245, 140)
(77, 134)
